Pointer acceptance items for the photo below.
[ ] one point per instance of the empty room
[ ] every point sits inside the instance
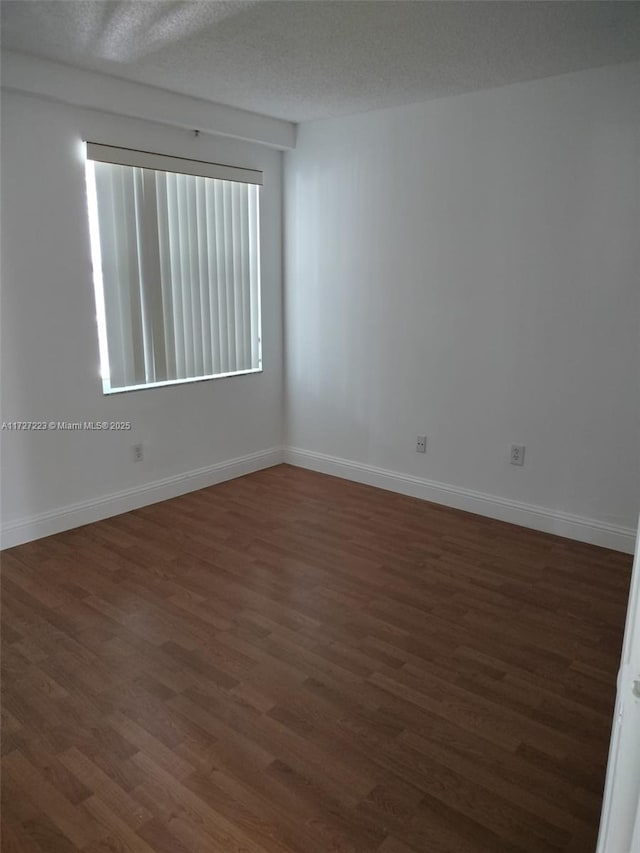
(320, 426)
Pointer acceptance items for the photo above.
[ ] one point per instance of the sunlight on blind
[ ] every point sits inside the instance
(176, 270)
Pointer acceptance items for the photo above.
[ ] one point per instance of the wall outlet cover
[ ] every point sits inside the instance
(517, 454)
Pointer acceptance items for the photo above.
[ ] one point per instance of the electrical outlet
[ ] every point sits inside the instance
(517, 454)
(138, 455)
(421, 444)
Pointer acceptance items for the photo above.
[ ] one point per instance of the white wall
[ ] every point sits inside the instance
(50, 365)
(469, 269)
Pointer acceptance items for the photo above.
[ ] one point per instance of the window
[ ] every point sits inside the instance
(176, 259)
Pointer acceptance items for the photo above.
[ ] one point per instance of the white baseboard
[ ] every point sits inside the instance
(75, 515)
(527, 515)
(515, 512)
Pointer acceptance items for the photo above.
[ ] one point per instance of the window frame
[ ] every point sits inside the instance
(119, 155)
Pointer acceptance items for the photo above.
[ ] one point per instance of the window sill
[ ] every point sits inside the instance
(107, 390)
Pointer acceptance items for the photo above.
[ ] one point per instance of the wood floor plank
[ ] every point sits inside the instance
(292, 663)
(69, 818)
(108, 790)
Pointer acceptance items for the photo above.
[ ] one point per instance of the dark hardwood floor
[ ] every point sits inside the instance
(292, 662)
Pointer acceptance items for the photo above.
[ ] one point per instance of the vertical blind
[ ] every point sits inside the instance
(180, 271)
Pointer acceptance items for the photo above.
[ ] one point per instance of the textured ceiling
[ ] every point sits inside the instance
(305, 59)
